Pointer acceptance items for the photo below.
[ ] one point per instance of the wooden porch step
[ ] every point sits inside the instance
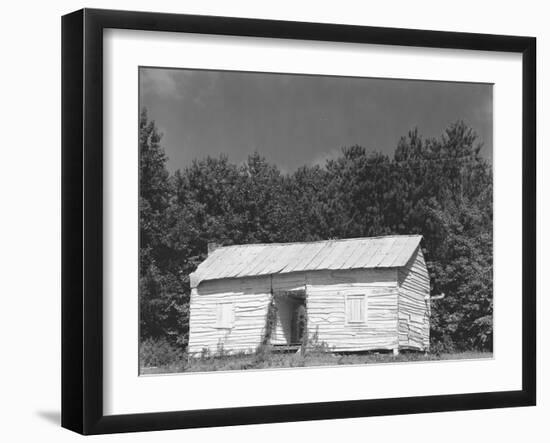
(286, 348)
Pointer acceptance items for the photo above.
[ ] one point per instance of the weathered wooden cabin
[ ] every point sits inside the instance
(350, 295)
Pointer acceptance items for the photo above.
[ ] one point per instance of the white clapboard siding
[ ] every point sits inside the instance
(414, 305)
(250, 298)
(326, 292)
(326, 308)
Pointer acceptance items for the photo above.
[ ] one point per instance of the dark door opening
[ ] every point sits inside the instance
(292, 315)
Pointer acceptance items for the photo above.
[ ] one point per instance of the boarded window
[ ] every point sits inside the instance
(356, 308)
(224, 315)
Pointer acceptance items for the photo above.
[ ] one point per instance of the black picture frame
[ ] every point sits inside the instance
(82, 219)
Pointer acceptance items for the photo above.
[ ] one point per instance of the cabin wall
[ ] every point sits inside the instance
(326, 310)
(326, 294)
(414, 308)
(250, 296)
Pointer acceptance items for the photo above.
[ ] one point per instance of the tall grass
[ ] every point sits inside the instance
(265, 357)
(160, 352)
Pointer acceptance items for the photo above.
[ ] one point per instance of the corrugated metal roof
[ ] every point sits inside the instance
(278, 258)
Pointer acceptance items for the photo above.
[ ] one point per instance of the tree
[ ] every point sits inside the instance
(446, 189)
(440, 188)
(159, 289)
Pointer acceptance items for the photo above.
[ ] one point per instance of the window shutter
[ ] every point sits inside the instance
(224, 315)
(355, 309)
(357, 303)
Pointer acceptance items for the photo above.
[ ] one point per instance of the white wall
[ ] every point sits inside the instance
(30, 222)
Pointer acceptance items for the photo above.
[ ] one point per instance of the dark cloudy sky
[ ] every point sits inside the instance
(294, 120)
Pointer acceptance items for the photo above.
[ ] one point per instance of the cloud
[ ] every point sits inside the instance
(206, 88)
(161, 83)
(195, 86)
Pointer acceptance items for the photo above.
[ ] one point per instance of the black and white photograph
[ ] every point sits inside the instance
(290, 220)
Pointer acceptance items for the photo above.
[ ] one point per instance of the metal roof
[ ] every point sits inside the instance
(278, 258)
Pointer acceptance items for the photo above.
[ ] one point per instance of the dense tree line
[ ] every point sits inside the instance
(440, 188)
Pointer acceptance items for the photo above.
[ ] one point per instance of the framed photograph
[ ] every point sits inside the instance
(269, 221)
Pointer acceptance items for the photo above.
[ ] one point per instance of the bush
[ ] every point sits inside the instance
(263, 353)
(159, 352)
(443, 345)
(314, 346)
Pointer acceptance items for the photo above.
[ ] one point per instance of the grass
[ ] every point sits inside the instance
(265, 359)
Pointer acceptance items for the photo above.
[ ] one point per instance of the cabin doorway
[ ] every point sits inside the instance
(291, 325)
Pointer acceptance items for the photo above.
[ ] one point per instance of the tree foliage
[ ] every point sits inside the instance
(440, 188)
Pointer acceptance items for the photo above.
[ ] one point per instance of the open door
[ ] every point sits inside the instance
(291, 323)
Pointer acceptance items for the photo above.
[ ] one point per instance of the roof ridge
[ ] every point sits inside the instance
(320, 241)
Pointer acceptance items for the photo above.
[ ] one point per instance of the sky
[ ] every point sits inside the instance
(295, 120)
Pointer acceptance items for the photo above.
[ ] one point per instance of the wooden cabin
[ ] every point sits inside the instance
(348, 295)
